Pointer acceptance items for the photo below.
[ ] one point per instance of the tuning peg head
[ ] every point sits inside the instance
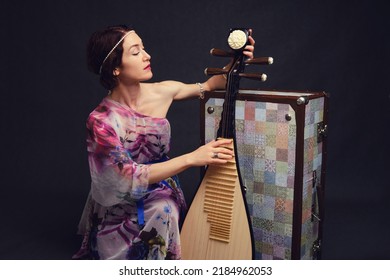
(215, 71)
(260, 60)
(221, 53)
(257, 77)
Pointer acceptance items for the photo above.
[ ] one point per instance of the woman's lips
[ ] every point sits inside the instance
(147, 67)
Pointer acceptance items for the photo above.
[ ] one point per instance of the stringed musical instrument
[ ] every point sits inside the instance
(217, 225)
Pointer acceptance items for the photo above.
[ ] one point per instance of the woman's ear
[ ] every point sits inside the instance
(116, 72)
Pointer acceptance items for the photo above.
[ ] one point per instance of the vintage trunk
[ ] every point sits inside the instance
(281, 146)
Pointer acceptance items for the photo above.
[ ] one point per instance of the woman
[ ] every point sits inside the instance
(135, 204)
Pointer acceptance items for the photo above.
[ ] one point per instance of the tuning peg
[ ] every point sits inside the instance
(221, 53)
(261, 77)
(260, 60)
(215, 71)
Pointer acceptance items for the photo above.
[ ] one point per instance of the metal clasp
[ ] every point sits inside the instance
(316, 249)
(210, 110)
(322, 131)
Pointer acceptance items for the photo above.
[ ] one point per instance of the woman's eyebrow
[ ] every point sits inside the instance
(135, 45)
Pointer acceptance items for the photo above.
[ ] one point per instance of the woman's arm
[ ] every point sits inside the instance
(115, 176)
(179, 91)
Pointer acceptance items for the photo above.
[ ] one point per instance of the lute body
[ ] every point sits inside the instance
(217, 224)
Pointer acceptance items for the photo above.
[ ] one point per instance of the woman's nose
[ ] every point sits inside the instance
(147, 56)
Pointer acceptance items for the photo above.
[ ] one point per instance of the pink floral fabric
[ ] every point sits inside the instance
(121, 144)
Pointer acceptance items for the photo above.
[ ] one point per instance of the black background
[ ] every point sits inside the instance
(341, 47)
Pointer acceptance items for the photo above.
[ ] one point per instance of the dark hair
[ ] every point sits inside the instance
(99, 45)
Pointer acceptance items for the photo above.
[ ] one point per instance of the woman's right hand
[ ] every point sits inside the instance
(215, 152)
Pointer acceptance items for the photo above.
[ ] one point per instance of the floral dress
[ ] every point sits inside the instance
(125, 217)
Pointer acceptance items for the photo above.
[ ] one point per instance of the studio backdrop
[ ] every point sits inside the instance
(339, 47)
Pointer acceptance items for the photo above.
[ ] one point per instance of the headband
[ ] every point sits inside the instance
(116, 45)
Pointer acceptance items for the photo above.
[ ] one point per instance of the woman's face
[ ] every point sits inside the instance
(135, 61)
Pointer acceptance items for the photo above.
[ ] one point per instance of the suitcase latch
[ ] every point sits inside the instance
(316, 249)
(322, 131)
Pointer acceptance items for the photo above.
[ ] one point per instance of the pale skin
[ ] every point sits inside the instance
(154, 99)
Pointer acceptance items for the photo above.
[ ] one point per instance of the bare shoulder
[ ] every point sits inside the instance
(169, 87)
(155, 100)
(165, 89)
(157, 91)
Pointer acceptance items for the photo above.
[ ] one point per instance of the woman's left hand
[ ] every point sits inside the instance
(249, 49)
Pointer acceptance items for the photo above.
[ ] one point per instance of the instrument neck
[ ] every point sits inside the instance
(227, 123)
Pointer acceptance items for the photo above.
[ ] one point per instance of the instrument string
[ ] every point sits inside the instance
(227, 123)
(228, 110)
(228, 113)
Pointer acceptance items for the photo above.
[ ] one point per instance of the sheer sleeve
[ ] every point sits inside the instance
(116, 178)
